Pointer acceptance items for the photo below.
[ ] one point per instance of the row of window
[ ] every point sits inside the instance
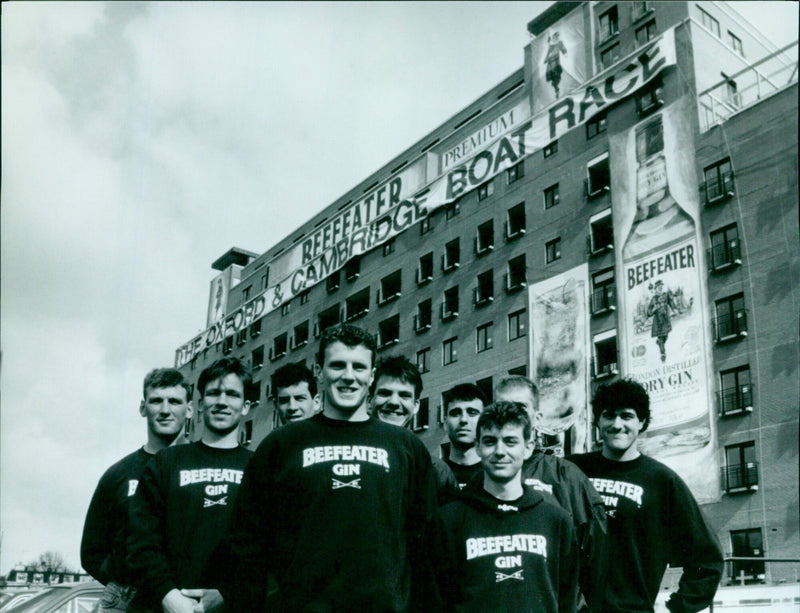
(712, 24)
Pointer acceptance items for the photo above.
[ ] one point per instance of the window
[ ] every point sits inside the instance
(736, 391)
(598, 180)
(605, 355)
(422, 419)
(485, 190)
(731, 318)
(425, 269)
(426, 225)
(517, 324)
(424, 360)
(449, 354)
(257, 358)
(246, 432)
(452, 256)
(265, 280)
(551, 196)
(241, 337)
(390, 288)
(483, 340)
(552, 250)
(640, 9)
(736, 43)
(424, 316)
(388, 247)
(609, 24)
(285, 308)
(719, 181)
(725, 251)
(516, 277)
(484, 291)
(515, 225)
(747, 543)
(352, 269)
(389, 331)
(609, 56)
(516, 172)
(596, 125)
(519, 370)
(484, 240)
(649, 100)
(227, 345)
(450, 304)
(304, 297)
(646, 33)
(550, 149)
(255, 328)
(601, 233)
(300, 337)
(329, 317)
(604, 296)
(332, 282)
(485, 385)
(279, 346)
(741, 469)
(709, 22)
(451, 210)
(246, 293)
(357, 305)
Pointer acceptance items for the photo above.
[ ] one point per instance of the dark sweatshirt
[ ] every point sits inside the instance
(335, 510)
(562, 482)
(104, 531)
(499, 555)
(178, 515)
(653, 520)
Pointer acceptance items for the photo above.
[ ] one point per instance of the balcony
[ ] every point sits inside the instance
(738, 478)
(735, 400)
(513, 232)
(604, 370)
(481, 297)
(513, 283)
(728, 328)
(604, 300)
(424, 277)
(422, 323)
(386, 297)
(723, 256)
(449, 312)
(354, 313)
(483, 247)
(720, 189)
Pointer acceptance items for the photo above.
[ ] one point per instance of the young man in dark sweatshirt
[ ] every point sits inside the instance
(463, 405)
(502, 547)
(296, 395)
(562, 482)
(653, 519)
(165, 405)
(333, 507)
(185, 496)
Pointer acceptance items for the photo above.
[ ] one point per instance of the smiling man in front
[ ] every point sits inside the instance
(185, 496)
(502, 547)
(653, 519)
(333, 506)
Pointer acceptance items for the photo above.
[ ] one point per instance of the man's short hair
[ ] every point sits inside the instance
(293, 374)
(464, 392)
(165, 377)
(622, 394)
(222, 368)
(516, 381)
(350, 336)
(400, 368)
(500, 413)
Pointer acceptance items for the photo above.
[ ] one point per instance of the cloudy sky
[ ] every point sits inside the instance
(140, 142)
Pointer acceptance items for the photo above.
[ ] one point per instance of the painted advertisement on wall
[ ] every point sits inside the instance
(401, 201)
(664, 327)
(558, 61)
(217, 298)
(559, 355)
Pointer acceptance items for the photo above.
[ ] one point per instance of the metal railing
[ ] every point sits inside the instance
(740, 476)
(734, 400)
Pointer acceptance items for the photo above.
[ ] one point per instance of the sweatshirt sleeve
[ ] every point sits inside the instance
(696, 549)
(591, 533)
(245, 548)
(147, 544)
(98, 531)
(568, 570)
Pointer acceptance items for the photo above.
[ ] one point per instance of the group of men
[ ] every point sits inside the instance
(343, 508)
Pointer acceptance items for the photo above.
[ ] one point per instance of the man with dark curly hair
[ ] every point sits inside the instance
(653, 519)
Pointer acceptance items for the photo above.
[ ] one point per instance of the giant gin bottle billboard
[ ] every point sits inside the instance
(664, 326)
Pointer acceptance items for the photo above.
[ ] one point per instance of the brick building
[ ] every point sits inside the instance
(527, 209)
